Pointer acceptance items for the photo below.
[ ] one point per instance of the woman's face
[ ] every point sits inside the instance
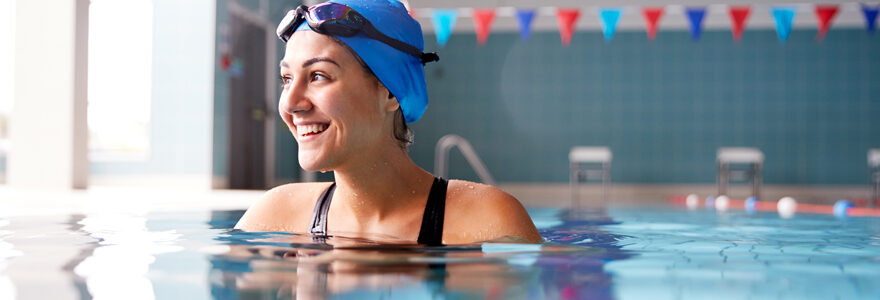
(335, 109)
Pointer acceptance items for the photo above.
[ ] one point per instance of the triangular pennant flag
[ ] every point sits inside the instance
(566, 17)
(824, 14)
(525, 23)
(695, 15)
(608, 18)
(738, 16)
(483, 24)
(783, 16)
(444, 21)
(870, 17)
(652, 17)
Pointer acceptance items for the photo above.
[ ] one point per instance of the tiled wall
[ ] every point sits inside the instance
(663, 107)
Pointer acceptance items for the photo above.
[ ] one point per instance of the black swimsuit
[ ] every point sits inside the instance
(431, 232)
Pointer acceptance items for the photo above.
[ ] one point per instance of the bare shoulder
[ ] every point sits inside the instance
(285, 208)
(479, 212)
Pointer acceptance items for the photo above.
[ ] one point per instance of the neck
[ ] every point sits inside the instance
(381, 184)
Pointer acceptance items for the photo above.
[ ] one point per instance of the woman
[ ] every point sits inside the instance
(352, 78)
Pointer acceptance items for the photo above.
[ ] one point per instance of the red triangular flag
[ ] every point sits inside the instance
(738, 16)
(824, 14)
(483, 24)
(652, 18)
(566, 17)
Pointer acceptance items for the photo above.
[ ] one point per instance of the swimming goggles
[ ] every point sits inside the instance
(340, 20)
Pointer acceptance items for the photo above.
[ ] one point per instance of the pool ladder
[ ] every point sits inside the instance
(441, 157)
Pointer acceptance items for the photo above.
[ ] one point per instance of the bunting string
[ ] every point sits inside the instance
(609, 17)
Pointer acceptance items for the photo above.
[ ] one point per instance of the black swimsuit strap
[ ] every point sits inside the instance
(319, 216)
(431, 232)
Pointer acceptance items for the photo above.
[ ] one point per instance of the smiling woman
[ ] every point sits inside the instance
(352, 76)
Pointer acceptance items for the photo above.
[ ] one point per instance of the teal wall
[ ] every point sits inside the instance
(663, 107)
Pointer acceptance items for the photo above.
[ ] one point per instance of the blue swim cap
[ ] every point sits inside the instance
(403, 74)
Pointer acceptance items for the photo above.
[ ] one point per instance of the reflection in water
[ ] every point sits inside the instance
(278, 265)
(675, 254)
(116, 267)
(7, 251)
(184, 255)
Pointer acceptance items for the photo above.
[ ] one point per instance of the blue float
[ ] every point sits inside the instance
(841, 207)
(751, 204)
(710, 201)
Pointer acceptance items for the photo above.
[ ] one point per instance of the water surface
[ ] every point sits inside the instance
(617, 253)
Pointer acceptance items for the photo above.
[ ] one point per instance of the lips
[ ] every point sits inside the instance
(311, 129)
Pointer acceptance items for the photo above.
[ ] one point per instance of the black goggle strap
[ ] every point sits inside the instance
(371, 31)
(295, 17)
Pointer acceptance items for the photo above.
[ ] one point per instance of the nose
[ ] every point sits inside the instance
(293, 99)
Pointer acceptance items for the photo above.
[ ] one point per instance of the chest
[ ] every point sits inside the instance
(400, 226)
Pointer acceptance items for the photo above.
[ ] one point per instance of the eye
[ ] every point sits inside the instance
(317, 76)
(285, 80)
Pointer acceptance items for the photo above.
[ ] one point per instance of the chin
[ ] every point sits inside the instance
(311, 162)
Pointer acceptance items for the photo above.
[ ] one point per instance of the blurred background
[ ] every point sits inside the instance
(184, 94)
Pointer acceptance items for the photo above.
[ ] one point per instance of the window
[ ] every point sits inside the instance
(7, 73)
(120, 77)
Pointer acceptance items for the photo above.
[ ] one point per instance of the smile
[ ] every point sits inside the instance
(311, 129)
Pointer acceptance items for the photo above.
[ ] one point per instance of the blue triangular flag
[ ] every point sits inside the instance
(695, 15)
(783, 16)
(870, 17)
(608, 18)
(444, 21)
(525, 23)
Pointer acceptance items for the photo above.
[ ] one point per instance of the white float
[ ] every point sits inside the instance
(786, 207)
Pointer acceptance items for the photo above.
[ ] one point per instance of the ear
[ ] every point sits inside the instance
(391, 103)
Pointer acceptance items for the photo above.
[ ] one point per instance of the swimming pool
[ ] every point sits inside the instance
(660, 252)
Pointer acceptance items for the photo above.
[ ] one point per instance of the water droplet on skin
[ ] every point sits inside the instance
(414, 192)
(470, 186)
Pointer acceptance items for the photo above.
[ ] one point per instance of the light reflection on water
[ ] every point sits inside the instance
(118, 267)
(7, 252)
(597, 254)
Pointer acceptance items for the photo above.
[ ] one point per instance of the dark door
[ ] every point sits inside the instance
(247, 105)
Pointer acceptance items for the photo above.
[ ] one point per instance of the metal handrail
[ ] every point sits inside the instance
(441, 157)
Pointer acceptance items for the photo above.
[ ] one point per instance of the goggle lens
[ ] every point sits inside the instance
(328, 12)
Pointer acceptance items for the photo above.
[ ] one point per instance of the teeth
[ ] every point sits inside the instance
(311, 128)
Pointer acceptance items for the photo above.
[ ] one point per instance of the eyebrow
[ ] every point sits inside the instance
(311, 62)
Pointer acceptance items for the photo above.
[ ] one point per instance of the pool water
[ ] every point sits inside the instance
(615, 253)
